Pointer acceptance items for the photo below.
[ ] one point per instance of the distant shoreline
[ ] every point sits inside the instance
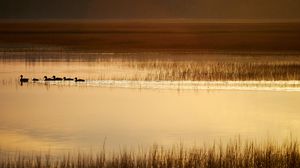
(145, 20)
(145, 36)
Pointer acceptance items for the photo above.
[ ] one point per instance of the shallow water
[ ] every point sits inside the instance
(64, 116)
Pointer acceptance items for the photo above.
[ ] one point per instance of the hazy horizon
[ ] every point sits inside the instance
(150, 9)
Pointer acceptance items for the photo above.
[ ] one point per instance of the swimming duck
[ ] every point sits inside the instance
(68, 79)
(35, 79)
(48, 79)
(56, 79)
(79, 80)
(23, 79)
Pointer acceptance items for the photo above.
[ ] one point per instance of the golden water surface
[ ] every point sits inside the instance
(63, 117)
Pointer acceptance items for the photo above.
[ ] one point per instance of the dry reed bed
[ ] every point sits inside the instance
(215, 71)
(176, 66)
(199, 70)
(232, 155)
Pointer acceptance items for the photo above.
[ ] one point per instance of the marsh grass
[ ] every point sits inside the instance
(216, 69)
(219, 69)
(172, 66)
(233, 154)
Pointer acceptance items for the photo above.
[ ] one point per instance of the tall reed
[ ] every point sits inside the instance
(216, 71)
(232, 155)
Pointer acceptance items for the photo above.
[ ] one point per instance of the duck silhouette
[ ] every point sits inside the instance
(47, 79)
(79, 80)
(23, 79)
(35, 79)
(56, 79)
(68, 79)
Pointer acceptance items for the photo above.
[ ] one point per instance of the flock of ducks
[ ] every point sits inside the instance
(54, 78)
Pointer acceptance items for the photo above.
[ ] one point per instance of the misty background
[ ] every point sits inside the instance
(141, 9)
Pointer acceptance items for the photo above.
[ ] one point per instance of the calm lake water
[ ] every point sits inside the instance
(67, 116)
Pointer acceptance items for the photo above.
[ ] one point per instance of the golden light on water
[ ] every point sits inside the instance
(152, 93)
(63, 117)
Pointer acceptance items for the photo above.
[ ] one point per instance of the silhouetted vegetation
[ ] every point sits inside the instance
(233, 154)
(168, 66)
(218, 71)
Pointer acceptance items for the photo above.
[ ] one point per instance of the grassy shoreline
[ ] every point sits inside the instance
(246, 154)
(206, 66)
